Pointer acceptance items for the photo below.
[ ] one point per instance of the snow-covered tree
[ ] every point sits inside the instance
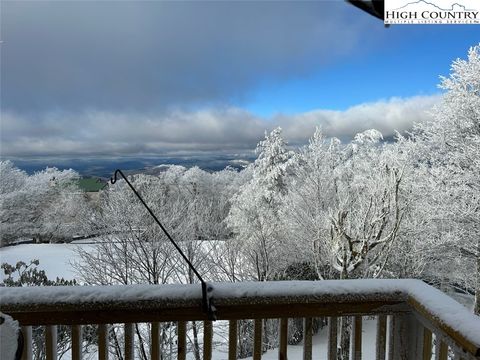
(226, 255)
(255, 220)
(311, 193)
(254, 215)
(344, 205)
(368, 211)
(13, 178)
(449, 150)
(41, 206)
(343, 210)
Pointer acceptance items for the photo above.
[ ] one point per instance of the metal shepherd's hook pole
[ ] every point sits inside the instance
(207, 305)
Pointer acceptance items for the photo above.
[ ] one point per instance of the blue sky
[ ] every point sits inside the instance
(405, 61)
(152, 78)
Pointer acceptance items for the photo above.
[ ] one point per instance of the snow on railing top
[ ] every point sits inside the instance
(444, 311)
(423, 298)
(223, 293)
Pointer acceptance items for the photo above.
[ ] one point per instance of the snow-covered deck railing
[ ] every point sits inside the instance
(413, 313)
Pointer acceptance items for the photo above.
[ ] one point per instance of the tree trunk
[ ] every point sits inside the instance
(196, 347)
(141, 342)
(245, 338)
(118, 349)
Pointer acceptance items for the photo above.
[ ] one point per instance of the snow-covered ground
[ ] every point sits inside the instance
(55, 259)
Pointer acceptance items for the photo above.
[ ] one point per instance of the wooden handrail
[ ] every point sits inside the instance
(283, 299)
(456, 336)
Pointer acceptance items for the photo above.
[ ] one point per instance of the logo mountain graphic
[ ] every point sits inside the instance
(429, 4)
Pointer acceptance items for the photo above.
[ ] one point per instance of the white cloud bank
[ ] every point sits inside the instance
(226, 129)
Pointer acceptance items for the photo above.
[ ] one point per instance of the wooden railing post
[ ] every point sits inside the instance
(427, 344)
(76, 342)
(307, 338)
(257, 339)
(182, 340)
(27, 343)
(441, 349)
(103, 342)
(390, 334)
(414, 331)
(207, 340)
(381, 342)
(51, 342)
(332, 338)
(155, 341)
(356, 338)
(424, 343)
(232, 339)
(129, 342)
(282, 349)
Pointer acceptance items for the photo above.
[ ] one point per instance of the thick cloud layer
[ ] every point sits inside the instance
(157, 77)
(227, 129)
(387, 116)
(149, 55)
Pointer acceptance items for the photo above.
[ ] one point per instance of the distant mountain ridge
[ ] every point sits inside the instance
(104, 167)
